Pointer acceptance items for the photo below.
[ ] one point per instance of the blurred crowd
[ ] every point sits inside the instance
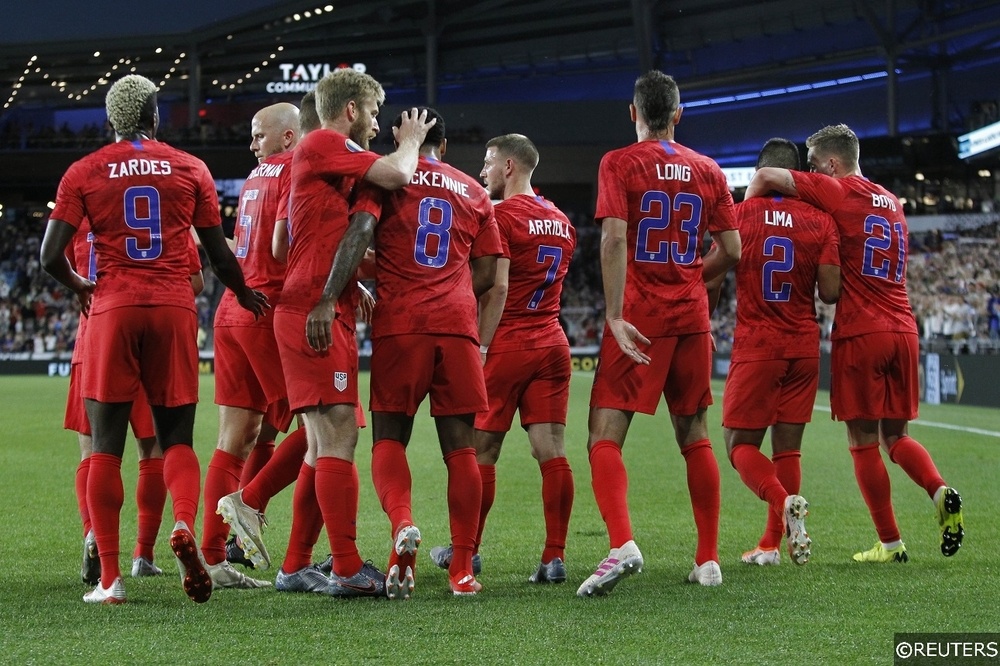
(953, 280)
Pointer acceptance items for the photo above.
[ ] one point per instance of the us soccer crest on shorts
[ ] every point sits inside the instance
(340, 381)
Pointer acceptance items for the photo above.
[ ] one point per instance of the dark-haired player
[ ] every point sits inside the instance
(789, 248)
(655, 201)
(874, 385)
(437, 245)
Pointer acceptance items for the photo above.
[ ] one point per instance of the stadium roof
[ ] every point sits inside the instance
(492, 50)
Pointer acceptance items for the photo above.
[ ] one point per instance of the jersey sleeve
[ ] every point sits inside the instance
(206, 209)
(821, 191)
(194, 259)
(487, 242)
(612, 195)
(69, 198)
(367, 198)
(504, 222)
(724, 218)
(830, 252)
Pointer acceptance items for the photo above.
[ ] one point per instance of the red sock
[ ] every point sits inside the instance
(307, 521)
(280, 471)
(703, 484)
(557, 502)
(261, 453)
(788, 469)
(337, 495)
(182, 474)
(873, 480)
(910, 454)
(610, 482)
(105, 496)
(391, 477)
(465, 498)
(488, 473)
(760, 476)
(80, 486)
(223, 478)
(150, 496)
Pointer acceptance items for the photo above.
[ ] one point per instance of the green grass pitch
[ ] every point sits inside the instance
(829, 611)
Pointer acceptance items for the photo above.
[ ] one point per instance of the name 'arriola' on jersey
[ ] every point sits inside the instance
(549, 228)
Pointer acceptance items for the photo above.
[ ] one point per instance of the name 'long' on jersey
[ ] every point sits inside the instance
(668, 195)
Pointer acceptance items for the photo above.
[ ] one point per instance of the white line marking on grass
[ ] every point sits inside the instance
(921, 422)
(935, 424)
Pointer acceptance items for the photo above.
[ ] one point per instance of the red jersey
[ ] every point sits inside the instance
(874, 241)
(263, 201)
(325, 168)
(141, 197)
(83, 258)
(539, 240)
(669, 196)
(784, 242)
(427, 234)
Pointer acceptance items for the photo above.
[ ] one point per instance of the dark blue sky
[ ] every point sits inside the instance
(51, 20)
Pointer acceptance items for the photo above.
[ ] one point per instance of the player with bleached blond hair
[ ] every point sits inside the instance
(142, 197)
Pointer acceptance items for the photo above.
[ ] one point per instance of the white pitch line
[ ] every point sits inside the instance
(936, 424)
(921, 422)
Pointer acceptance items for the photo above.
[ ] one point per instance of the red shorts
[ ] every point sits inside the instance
(875, 376)
(155, 346)
(405, 368)
(76, 419)
(680, 369)
(533, 381)
(247, 368)
(278, 414)
(313, 378)
(761, 393)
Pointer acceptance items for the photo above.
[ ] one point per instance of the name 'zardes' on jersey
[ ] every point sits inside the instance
(139, 167)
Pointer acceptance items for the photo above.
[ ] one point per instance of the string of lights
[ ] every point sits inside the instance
(20, 82)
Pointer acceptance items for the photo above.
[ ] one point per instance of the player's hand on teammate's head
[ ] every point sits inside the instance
(414, 125)
(254, 301)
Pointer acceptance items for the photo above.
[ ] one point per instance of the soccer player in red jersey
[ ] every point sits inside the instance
(874, 384)
(788, 249)
(249, 383)
(436, 248)
(525, 350)
(150, 493)
(141, 197)
(655, 201)
(281, 469)
(314, 325)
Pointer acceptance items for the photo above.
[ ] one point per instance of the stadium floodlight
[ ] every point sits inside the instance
(979, 141)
